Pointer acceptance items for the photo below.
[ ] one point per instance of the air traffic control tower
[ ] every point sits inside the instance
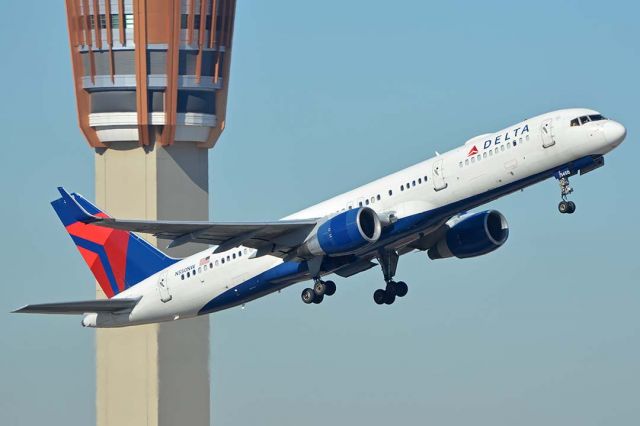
(151, 80)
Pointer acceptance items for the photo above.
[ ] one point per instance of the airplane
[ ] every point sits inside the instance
(424, 207)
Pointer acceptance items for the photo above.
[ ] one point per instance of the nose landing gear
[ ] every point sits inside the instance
(565, 206)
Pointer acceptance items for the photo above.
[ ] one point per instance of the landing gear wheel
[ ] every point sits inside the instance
(391, 288)
(401, 289)
(308, 295)
(318, 299)
(563, 207)
(320, 288)
(379, 296)
(330, 288)
(390, 298)
(572, 207)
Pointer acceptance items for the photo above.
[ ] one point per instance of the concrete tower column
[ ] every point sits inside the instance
(151, 80)
(153, 374)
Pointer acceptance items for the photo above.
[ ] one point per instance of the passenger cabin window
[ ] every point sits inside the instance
(390, 193)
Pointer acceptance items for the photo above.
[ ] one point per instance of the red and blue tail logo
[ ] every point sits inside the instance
(118, 259)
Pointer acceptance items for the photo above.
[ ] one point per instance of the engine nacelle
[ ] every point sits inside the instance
(475, 235)
(343, 234)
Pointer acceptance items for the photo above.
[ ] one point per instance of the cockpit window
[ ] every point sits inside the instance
(584, 119)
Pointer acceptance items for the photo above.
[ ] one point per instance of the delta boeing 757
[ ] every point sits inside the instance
(421, 208)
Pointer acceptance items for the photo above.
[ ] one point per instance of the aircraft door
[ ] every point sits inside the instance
(163, 288)
(438, 176)
(546, 130)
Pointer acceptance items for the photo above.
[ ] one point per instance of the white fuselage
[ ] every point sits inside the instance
(451, 183)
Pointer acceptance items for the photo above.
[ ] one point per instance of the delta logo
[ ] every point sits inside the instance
(473, 151)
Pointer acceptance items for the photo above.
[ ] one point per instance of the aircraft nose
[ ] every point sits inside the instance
(614, 132)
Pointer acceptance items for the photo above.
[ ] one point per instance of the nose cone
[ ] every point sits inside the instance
(614, 132)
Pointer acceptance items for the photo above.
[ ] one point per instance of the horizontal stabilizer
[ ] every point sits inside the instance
(81, 307)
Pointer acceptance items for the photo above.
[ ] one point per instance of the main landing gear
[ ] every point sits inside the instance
(389, 261)
(565, 189)
(319, 290)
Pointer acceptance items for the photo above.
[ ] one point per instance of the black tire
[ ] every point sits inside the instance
(320, 288)
(572, 207)
(401, 289)
(391, 288)
(390, 298)
(379, 296)
(563, 207)
(318, 299)
(308, 295)
(330, 288)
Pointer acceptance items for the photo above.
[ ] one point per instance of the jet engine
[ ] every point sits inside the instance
(473, 236)
(343, 234)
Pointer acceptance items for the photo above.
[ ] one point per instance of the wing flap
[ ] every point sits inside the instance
(80, 307)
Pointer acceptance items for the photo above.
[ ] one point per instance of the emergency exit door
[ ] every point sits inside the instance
(437, 175)
(163, 288)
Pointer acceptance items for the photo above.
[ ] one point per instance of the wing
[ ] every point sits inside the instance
(277, 237)
(82, 307)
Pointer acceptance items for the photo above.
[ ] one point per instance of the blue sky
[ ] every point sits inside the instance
(326, 96)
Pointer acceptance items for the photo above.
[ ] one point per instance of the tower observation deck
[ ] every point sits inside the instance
(151, 70)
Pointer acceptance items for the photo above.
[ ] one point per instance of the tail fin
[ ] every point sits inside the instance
(118, 259)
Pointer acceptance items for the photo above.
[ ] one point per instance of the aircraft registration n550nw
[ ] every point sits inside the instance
(423, 207)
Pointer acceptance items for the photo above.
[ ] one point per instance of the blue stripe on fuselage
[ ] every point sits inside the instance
(288, 273)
